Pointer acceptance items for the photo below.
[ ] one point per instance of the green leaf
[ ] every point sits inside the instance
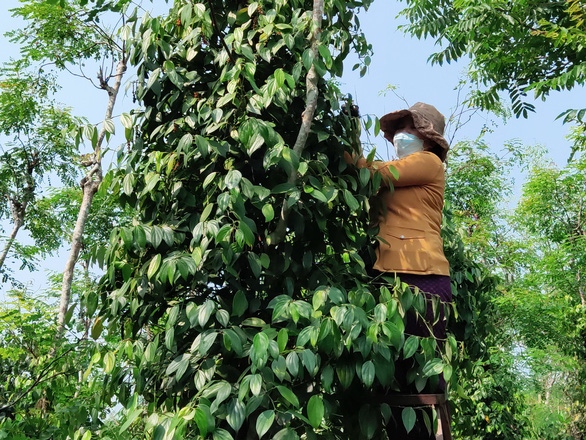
(394, 172)
(288, 395)
(308, 360)
(286, 434)
(447, 372)
(292, 362)
(204, 312)
(247, 232)
(317, 194)
(159, 432)
(315, 411)
(325, 53)
(264, 422)
(327, 377)
(368, 371)
(201, 420)
(393, 333)
(170, 338)
(371, 155)
(345, 374)
(351, 201)
(151, 351)
(364, 176)
(409, 417)
(130, 418)
(126, 120)
(236, 414)
(233, 178)
(268, 212)
(410, 347)
(91, 302)
(239, 304)
(109, 126)
(307, 59)
(109, 362)
(209, 178)
(98, 327)
(254, 263)
(154, 266)
(256, 384)
(280, 77)
(222, 434)
(261, 343)
(139, 236)
(433, 367)
(368, 421)
(282, 339)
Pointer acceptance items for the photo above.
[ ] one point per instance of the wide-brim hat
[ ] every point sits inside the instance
(427, 120)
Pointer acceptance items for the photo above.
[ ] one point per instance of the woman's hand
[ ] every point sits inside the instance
(349, 158)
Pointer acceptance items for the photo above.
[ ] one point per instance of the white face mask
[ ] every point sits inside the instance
(406, 144)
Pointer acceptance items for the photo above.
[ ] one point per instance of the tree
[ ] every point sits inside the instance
(551, 212)
(39, 145)
(242, 280)
(66, 34)
(517, 46)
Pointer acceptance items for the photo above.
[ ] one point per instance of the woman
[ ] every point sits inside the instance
(411, 246)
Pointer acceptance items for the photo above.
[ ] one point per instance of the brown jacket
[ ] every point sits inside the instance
(410, 231)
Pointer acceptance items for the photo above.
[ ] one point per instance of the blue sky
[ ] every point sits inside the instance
(398, 61)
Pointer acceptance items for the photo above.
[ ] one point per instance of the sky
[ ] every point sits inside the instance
(399, 61)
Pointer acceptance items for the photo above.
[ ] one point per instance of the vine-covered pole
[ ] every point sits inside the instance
(312, 95)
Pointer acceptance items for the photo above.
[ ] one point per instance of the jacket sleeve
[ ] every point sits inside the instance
(415, 169)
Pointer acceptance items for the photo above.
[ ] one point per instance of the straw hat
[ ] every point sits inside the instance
(427, 120)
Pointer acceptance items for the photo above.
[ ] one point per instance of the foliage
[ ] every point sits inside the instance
(494, 406)
(478, 184)
(47, 391)
(231, 329)
(514, 46)
(487, 386)
(236, 330)
(52, 219)
(66, 33)
(63, 34)
(38, 146)
(550, 212)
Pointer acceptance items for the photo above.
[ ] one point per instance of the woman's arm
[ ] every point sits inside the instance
(416, 169)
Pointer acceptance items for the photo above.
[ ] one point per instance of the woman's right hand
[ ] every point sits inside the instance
(349, 158)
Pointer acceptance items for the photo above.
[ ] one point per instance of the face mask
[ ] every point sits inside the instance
(406, 144)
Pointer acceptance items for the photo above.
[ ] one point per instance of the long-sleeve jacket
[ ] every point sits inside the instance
(410, 230)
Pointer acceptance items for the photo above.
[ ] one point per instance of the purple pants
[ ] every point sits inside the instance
(438, 285)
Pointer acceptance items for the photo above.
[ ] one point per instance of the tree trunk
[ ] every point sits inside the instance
(17, 225)
(90, 184)
(312, 94)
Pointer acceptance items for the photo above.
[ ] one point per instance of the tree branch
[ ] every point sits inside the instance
(306, 117)
(215, 24)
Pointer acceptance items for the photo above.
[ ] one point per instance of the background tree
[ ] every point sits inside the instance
(550, 213)
(520, 46)
(65, 34)
(38, 145)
